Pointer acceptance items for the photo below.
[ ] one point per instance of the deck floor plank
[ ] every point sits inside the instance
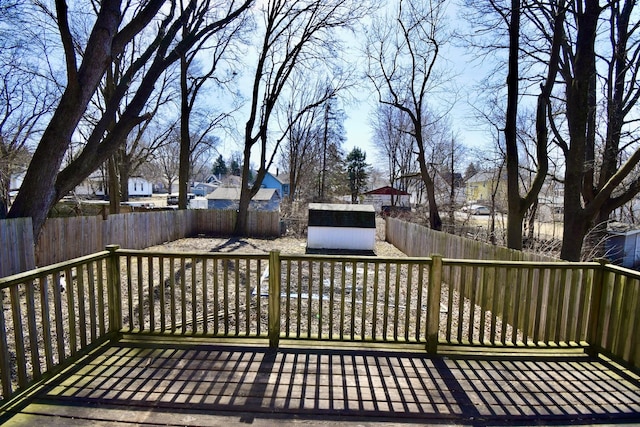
(170, 384)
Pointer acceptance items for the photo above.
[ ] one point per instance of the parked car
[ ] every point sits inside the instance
(477, 210)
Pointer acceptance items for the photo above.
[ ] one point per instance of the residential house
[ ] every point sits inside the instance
(139, 187)
(267, 199)
(279, 182)
(442, 182)
(386, 196)
(203, 188)
(480, 188)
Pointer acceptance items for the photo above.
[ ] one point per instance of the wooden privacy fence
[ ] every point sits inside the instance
(417, 240)
(16, 246)
(66, 238)
(56, 314)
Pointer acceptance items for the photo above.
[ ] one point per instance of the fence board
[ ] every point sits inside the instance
(417, 240)
(66, 238)
(16, 246)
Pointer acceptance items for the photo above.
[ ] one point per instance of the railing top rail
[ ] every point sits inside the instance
(622, 270)
(525, 264)
(6, 282)
(356, 258)
(192, 254)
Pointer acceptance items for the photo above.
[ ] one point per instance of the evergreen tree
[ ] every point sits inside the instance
(358, 171)
(220, 167)
(234, 168)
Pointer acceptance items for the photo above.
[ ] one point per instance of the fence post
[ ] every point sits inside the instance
(114, 290)
(274, 299)
(433, 303)
(594, 332)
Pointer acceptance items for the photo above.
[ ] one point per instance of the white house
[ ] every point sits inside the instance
(139, 187)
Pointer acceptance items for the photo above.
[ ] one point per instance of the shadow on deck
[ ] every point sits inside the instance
(168, 383)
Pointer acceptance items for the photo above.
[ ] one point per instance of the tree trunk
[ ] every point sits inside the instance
(114, 186)
(37, 195)
(580, 120)
(185, 137)
(514, 200)
(245, 198)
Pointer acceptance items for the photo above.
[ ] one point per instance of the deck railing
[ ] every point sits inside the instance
(52, 316)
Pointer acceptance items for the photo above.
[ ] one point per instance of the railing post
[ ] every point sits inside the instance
(274, 299)
(594, 331)
(433, 303)
(114, 290)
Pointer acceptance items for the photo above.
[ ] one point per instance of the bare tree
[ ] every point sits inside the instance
(296, 35)
(403, 51)
(25, 98)
(215, 50)
(392, 134)
(115, 27)
(595, 125)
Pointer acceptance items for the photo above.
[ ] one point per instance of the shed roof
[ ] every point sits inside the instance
(343, 207)
(233, 193)
(341, 215)
(388, 191)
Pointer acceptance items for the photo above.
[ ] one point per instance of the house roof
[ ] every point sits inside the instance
(388, 191)
(233, 193)
(486, 176)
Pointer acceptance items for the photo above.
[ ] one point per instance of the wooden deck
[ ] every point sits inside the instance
(133, 382)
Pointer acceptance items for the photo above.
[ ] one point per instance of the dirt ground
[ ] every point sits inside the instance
(286, 245)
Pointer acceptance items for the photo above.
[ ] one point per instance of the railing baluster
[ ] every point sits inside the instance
(354, 290)
(46, 321)
(18, 333)
(237, 295)
(419, 301)
(140, 300)
(161, 296)
(247, 295)
(517, 302)
(102, 309)
(475, 286)
(183, 294)
(93, 315)
(216, 299)
(495, 301)
(5, 361)
(129, 273)
(299, 313)
(71, 312)
(172, 288)
(205, 296)
(453, 283)
(152, 300)
(225, 296)
(331, 297)
(82, 314)
(407, 311)
(387, 290)
(396, 308)
(33, 329)
(288, 290)
(194, 295)
(365, 286)
(320, 296)
(57, 300)
(309, 297)
(376, 285)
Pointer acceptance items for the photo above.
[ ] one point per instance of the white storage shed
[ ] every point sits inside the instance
(341, 228)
